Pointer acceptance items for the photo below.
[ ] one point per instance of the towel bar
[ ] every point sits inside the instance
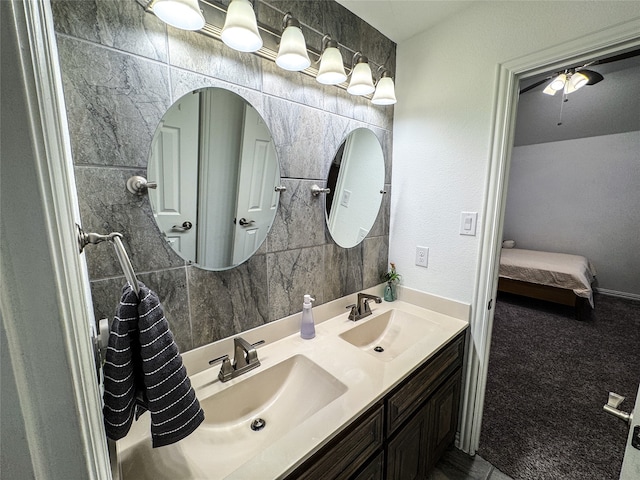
(114, 238)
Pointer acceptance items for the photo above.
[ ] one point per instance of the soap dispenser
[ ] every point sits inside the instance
(307, 326)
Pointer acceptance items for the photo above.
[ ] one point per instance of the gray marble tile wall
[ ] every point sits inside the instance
(122, 68)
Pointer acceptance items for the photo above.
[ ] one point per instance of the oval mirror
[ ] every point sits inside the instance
(356, 183)
(213, 159)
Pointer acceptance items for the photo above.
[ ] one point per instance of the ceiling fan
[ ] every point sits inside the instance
(571, 79)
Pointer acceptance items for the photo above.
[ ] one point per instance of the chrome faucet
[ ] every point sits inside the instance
(245, 359)
(362, 309)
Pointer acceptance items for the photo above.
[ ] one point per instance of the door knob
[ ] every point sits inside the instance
(244, 222)
(182, 228)
(612, 407)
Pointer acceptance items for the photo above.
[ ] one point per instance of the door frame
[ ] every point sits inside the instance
(508, 75)
(46, 309)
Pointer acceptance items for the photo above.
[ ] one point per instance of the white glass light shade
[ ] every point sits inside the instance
(240, 30)
(576, 82)
(292, 54)
(556, 85)
(361, 80)
(385, 92)
(184, 14)
(331, 71)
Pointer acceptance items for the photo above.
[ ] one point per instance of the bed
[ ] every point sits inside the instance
(555, 277)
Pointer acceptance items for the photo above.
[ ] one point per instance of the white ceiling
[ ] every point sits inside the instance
(402, 19)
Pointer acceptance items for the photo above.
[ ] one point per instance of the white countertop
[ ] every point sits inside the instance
(367, 379)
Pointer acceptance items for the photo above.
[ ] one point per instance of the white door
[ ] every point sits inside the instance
(257, 198)
(174, 165)
(631, 463)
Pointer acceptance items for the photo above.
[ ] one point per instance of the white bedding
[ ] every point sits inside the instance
(561, 270)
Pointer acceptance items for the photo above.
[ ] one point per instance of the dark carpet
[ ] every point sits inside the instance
(549, 376)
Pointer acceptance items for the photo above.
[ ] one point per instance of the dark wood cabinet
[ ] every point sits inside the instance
(403, 436)
(374, 470)
(407, 452)
(348, 452)
(443, 407)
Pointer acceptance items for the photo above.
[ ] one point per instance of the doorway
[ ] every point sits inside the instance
(549, 374)
(602, 44)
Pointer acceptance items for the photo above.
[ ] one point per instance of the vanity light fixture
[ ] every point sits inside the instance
(292, 54)
(385, 93)
(331, 71)
(184, 14)
(240, 30)
(234, 22)
(361, 78)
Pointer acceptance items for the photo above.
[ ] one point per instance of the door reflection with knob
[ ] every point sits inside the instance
(214, 161)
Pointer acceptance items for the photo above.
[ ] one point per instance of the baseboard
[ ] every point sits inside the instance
(614, 293)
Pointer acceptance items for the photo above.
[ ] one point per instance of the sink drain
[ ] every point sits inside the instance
(258, 424)
(378, 349)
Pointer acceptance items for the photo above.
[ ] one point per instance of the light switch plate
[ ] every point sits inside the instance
(468, 221)
(346, 197)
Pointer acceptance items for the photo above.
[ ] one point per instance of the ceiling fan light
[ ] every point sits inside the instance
(240, 30)
(184, 14)
(557, 83)
(576, 81)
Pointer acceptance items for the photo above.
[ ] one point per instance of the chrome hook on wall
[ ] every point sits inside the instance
(139, 185)
(316, 190)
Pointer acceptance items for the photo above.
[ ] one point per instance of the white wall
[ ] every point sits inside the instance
(446, 83)
(580, 196)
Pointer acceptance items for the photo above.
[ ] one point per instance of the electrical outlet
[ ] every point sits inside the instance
(422, 256)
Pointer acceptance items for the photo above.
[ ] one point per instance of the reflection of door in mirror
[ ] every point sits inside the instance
(221, 137)
(176, 168)
(257, 199)
(213, 157)
(356, 192)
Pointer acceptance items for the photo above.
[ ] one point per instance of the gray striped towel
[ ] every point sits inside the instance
(144, 371)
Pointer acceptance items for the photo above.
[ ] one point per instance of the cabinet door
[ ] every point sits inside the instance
(374, 469)
(444, 416)
(408, 451)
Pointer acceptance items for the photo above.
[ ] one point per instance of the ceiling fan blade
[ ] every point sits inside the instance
(616, 58)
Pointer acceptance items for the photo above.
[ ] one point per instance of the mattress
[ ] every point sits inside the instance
(562, 270)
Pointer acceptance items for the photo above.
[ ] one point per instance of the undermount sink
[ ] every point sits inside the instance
(389, 334)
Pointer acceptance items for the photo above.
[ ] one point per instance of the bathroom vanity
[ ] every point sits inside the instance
(372, 399)
(407, 431)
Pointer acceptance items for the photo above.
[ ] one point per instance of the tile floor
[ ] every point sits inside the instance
(457, 465)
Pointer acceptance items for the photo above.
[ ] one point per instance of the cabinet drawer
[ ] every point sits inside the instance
(417, 389)
(348, 452)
